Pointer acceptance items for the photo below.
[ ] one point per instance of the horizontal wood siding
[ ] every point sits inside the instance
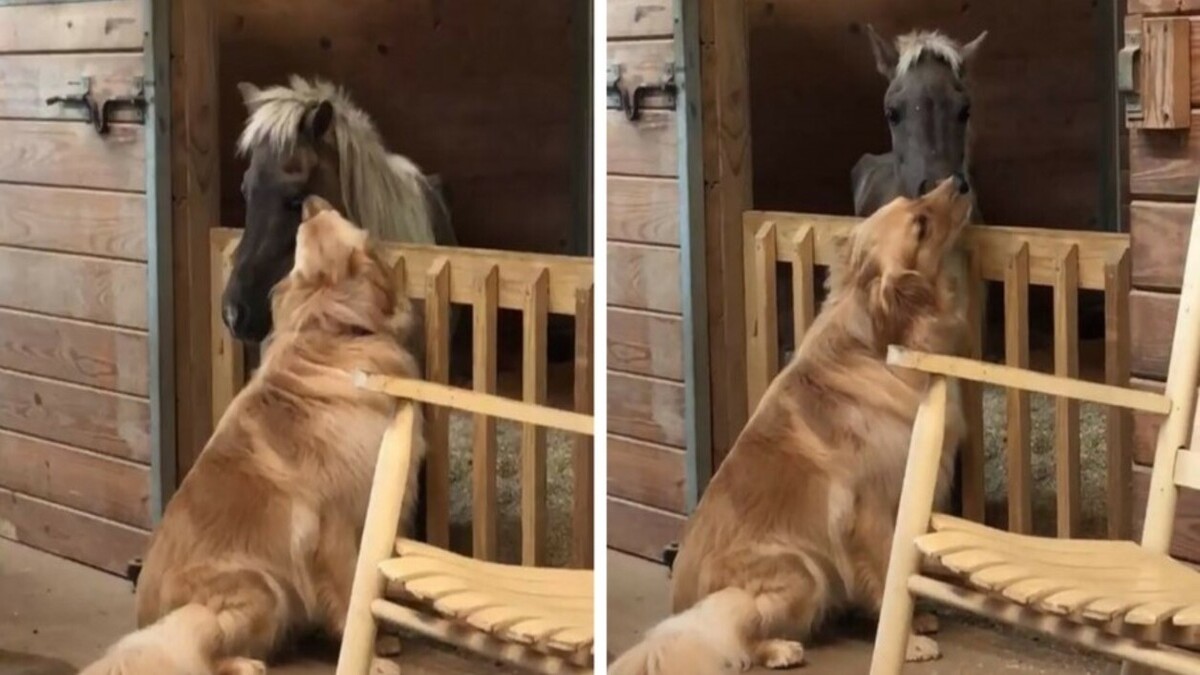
(646, 461)
(74, 348)
(1152, 326)
(1186, 542)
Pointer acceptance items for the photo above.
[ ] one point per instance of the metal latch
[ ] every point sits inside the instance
(98, 114)
(630, 100)
(1129, 61)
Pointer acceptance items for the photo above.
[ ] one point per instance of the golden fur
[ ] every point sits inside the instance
(260, 541)
(798, 521)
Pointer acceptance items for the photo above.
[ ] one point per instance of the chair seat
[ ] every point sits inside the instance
(546, 609)
(1085, 580)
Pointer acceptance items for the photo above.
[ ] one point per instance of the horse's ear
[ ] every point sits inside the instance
(314, 205)
(317, 121)
(968, 50)
(886, 56)
(249, 94)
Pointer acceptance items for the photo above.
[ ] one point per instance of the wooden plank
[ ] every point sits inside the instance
(1166, 73)
(1017, 440)
(804, 288)
(70, 534)
(484, 509)
(75, 287)
(437, 369)
(1152, 325)
(1144, 426)
(644, 343)
(644, 277)
(974, 454)
(27, 80)
(533, 437)
(643, 210)
(645, 62)
(73, 155)
(1158, 234)
(762, 333)
(639, 19)
(82, 480)
(1066, 411)
(82, 353)
(106, 422)
(228, 360)
(641, 530)
(1162, 6)
(106, 224)
(647, 146)
(646, 473)
(1185, 544)
(75, 26)
(645, 408)
(583, 458)
(1119, 426)
(1164, 164)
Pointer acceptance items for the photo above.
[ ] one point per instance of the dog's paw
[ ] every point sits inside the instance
(241, 666)
(921, 648)
(925, 623)
(779, 654)
(388, 645)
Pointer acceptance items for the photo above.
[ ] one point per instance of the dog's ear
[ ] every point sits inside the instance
(904, 294)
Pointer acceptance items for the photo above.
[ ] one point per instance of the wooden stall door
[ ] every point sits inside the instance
(75, 376)
(1162, 59)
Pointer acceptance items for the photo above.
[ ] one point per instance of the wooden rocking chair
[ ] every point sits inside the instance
(536, 618)
(1126, 600)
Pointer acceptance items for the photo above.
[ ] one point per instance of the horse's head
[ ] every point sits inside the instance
(285, 166)
(927, 105)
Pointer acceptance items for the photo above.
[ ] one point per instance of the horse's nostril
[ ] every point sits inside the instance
(230, 314)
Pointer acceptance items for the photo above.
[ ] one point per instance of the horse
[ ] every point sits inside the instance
(309, 138)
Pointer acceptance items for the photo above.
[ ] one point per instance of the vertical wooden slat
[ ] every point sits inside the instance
(581, 454)
(228, 360)
(1016, 346)
(973, 460)
(1066, 410)
(483, 463)
(1119, 424)
(804, 292)
(437, 369)
(533, 437)
(400, 277)
(763, 330)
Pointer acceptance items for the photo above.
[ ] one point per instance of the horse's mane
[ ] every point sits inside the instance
(384, 194)
(912, 46)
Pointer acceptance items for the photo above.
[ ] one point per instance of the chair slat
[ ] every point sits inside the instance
(437, 369)
(484, 506)
(1119, 420)
(804, 292)
(533, 437)
(1187, 469)
(1066, 409)
(582, 462)
(973, 459)
(764, 352)
(1016, 346)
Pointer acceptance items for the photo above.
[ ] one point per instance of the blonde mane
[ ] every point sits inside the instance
(912, 46)
(384, 194)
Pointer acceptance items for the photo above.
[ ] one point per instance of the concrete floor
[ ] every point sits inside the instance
(56, 616)
(637, 598)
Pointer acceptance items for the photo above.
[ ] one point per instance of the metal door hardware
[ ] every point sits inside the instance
(98, 114)
(630, 100)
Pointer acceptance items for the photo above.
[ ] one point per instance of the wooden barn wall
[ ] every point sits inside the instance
(646, 432)
(1037, 85)
(74, 358)
(481, 93)
(1164, 170)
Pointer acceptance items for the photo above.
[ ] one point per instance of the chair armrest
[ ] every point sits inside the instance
(1028, 380)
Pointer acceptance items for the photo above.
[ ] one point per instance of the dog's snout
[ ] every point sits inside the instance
(961, 183)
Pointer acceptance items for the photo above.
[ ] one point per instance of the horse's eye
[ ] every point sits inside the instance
(893, 114)
(965, 113)
(922, 227)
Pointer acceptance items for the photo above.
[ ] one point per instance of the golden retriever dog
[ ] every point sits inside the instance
(798, 521)
(260, 541)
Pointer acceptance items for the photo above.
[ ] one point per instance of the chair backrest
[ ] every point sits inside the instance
(1173, 465)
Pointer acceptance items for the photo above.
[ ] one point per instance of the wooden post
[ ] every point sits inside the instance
(533, 437)
(973, 460)
(1166, 73)
(1119, 424)
(228, 359)
(582, 457)
(1016, 346)
(483, 463)
(437, 369)
(378, 541)
(916, 507)
(1066, 411)
(763, 334)
(804, 292)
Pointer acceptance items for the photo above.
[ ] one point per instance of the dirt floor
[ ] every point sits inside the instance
(637, 598)
(56, 616)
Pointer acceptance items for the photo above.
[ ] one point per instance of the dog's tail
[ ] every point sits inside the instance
(714, 637)
(209, 636)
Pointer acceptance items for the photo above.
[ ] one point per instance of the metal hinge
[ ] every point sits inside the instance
(98, 113)
(630, 100)
(1129, 61)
